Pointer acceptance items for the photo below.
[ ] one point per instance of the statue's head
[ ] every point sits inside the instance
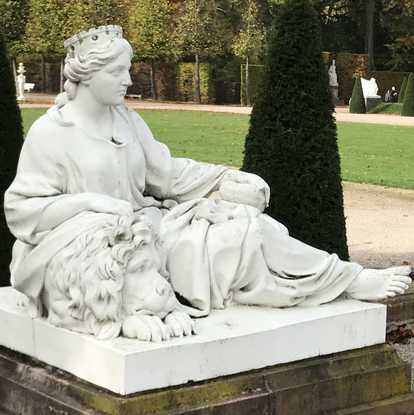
(88, 52)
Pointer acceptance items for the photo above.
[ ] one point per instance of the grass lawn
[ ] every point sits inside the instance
(387, 108)
(370, 153)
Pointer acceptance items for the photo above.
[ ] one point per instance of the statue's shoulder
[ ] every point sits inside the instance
(129, 114)
(47, 126)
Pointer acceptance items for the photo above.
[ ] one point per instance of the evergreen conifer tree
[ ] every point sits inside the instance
(357, 103)
(402, 90)
(11, 139)
(408, 105)
(292, 138)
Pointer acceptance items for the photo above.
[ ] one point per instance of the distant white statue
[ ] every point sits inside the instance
(369, 88)
(21, 79)
(111, 230)
(333, 79)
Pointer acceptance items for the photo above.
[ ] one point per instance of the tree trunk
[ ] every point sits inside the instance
(153, 83)
(62, 76)
(247, 82)
(369, 36)
(14, 69)
(43, 74)
(197, 78)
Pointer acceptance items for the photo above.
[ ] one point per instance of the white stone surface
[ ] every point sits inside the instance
(333, 78)
(21, 79)
(229, 341)
(370, 88)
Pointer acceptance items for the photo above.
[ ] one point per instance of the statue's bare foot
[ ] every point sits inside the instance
(377, 284)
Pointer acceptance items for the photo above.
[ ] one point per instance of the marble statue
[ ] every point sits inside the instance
(116, 237)
(333, 79)
(370, 88)
(21, 79)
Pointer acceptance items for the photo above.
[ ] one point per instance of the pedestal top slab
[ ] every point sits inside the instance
(229, 341)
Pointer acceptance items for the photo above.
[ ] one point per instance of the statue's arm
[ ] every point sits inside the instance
(70, 206)
(185, 179)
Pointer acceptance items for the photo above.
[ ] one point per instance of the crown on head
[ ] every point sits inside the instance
(94, 37)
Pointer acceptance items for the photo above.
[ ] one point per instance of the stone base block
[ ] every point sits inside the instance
(372, 102)
(368, 381)
(400, 309)
(230, 341)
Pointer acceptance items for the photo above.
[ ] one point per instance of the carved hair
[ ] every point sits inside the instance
(82, 67)
(90, 271)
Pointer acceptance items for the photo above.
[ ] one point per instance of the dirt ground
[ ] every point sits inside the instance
(380, 224)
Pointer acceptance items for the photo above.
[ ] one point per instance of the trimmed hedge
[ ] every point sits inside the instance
(11, 140)
(175, 81)
(408, 105)
(185, 82)
(348, 67)
(357, 103)
(255, 75)
(292, 138)
(402, 90)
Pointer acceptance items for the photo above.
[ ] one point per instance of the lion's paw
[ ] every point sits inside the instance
(180, 324)
(146, 328)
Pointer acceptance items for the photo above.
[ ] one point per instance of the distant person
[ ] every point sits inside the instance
(388, 96)
(393, 95)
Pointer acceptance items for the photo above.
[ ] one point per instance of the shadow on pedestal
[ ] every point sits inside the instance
(369, 381)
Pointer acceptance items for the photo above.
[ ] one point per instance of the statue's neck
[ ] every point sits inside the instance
(93, 117)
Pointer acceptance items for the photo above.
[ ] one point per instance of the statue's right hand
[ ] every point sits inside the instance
(106, 204)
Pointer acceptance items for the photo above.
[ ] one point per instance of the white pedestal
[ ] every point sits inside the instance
(229, 341)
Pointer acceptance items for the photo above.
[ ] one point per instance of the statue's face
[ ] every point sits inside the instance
(108, 86)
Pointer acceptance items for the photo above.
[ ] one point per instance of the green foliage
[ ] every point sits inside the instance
(342, 24)
(198, 28)
(399, 25)
(51, 22)
(150, 33)
(349, 66)
(13, 18)
(11, 139)
(247, 43)
(408, 105)
(255, 75)
(150, 29)
(403, 88)
(357, 103)
(185, 82)
(199, 33)
(292, 140)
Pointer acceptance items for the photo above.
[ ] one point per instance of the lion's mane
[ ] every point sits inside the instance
(89, 272)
